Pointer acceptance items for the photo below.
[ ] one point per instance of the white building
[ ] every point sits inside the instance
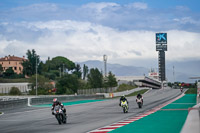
(141, 81)
(154, 74)
(6, 87)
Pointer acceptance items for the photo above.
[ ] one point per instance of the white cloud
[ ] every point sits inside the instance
(98, 7)
(138, 5)
(182, 8)
(80, 41)
(37, 7)
(185, 20)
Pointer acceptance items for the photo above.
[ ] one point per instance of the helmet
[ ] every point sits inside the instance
(55, 100)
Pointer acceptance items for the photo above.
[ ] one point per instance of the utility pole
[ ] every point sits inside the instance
(105, 64)
(173, 74)
(60, 71)
(63, 69)
(36, 76)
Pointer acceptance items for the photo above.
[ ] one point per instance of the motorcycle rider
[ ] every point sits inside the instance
(139, 96)
(122, 98)
(181, 89)
(56, 102)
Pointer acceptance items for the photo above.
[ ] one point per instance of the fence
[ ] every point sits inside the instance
(97, 90)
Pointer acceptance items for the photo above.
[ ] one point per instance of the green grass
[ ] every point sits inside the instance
(125, 87)
(191, 91)
(136, 92)
(162, 121)
(70, 103)
(0, 112)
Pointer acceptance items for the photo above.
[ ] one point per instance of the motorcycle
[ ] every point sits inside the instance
(139, 102)
(124, 105)
(59, 114)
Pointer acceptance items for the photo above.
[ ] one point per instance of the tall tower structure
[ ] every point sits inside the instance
(105, 64)
(161, 47)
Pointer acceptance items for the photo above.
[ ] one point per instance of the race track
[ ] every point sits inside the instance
(82, 117)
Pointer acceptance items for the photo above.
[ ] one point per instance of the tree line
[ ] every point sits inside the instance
(68, 76)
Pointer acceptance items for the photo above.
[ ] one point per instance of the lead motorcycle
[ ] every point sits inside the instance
(59, 114)
(124, 105)
(139, 102)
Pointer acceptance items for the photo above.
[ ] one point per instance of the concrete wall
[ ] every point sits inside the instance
(116, 94)
(192, 123)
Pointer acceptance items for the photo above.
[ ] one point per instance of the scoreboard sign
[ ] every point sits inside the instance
(161, 38)
(161, 47)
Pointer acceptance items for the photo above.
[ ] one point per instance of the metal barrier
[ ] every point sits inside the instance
(28, 101)
(43, 100)
(13, 103)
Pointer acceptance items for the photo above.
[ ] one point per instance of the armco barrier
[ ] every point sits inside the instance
(13, 103)
(30, 100)
(42, 100)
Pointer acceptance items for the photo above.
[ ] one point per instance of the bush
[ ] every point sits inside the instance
(15, 91)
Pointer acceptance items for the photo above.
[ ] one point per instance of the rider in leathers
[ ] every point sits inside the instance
(122, 99)
(56, 102)
(139, 96)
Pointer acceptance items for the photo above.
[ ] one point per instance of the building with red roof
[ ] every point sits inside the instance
(14, 62)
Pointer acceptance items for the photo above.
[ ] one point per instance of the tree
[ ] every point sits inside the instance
(111, 81)
(68, 84)
(29, 66)
(9, 72)
(15, 91)
(42, 84)
(95, 78)
(61, 62)
(85, 71)
(77, 71)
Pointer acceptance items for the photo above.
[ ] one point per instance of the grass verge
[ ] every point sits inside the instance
(125, 87)
(136, 92)
(191, 91)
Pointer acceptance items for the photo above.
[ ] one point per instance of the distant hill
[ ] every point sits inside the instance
(181, 75)
(117, 69)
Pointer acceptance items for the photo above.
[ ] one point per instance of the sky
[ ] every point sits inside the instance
(82, 30)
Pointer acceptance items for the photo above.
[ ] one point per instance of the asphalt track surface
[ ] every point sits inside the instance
(82, 117)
